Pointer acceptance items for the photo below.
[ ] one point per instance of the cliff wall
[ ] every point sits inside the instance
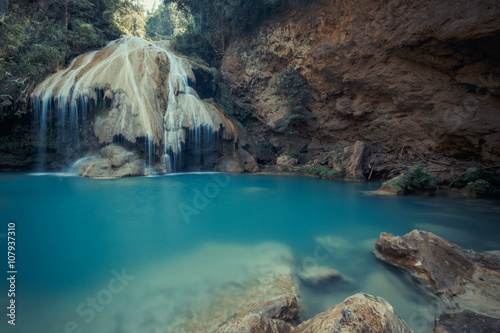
(407, 77)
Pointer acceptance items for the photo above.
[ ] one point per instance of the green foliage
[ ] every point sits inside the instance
(165, 22)
(480, 187)
(293, 90)
(294, 153)
(36, 37)
(463, 180)
(129, 17)
(415, 179)
(194, 43)
(266, 146)
(213, 22)
(477, 180)
(322, 171)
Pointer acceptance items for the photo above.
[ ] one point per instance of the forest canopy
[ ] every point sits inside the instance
(39, 35)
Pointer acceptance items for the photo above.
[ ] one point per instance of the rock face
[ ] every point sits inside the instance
(407, 77)
(463, 279)
(271, 316)
(466, 322)
(358, 313)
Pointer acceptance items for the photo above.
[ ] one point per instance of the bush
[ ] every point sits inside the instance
(322, 171)
(477, 180)
(416, 179)
(479, 187)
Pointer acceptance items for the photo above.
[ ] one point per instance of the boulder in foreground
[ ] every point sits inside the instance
(358, 313)
(463, 279)
(271, 316)
(466, 322)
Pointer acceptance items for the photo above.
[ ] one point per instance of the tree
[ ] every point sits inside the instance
(37, 36)
(216, 20)
(129, 17)
(165, 22)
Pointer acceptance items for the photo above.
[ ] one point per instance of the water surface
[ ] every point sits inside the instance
(173, 232)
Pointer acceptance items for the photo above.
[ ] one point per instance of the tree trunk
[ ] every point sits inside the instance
(66, 15)
(3, 7)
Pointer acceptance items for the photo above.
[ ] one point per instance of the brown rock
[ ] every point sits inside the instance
(271, 316)
(131, 169)
(230, 164)
(466, 322)
(284, 308)
(355, 158)
(463, 279)
(400, 75)
(255, 323)
(358, 313)
(248, 160)
(117, 155)
(392, 186)
(112, 162)
(287, 161)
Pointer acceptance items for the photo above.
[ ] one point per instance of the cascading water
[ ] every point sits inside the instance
(120, 95)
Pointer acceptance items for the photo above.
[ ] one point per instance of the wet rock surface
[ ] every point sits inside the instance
(466, 322)
(271, 316)
(358, 313)
(463, 279)
(319, 276)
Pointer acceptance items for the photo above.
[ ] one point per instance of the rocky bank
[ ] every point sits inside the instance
(466, 282)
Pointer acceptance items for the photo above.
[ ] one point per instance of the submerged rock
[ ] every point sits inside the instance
(463, 279)
(209, 286)
(319, 276)
(466, 322)
(271, 316)
(361, 313)
(254, 323)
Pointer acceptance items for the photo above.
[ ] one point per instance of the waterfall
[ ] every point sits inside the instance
(120, 94)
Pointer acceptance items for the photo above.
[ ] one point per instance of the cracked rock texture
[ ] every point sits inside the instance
(407, 77)
(463, 279)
